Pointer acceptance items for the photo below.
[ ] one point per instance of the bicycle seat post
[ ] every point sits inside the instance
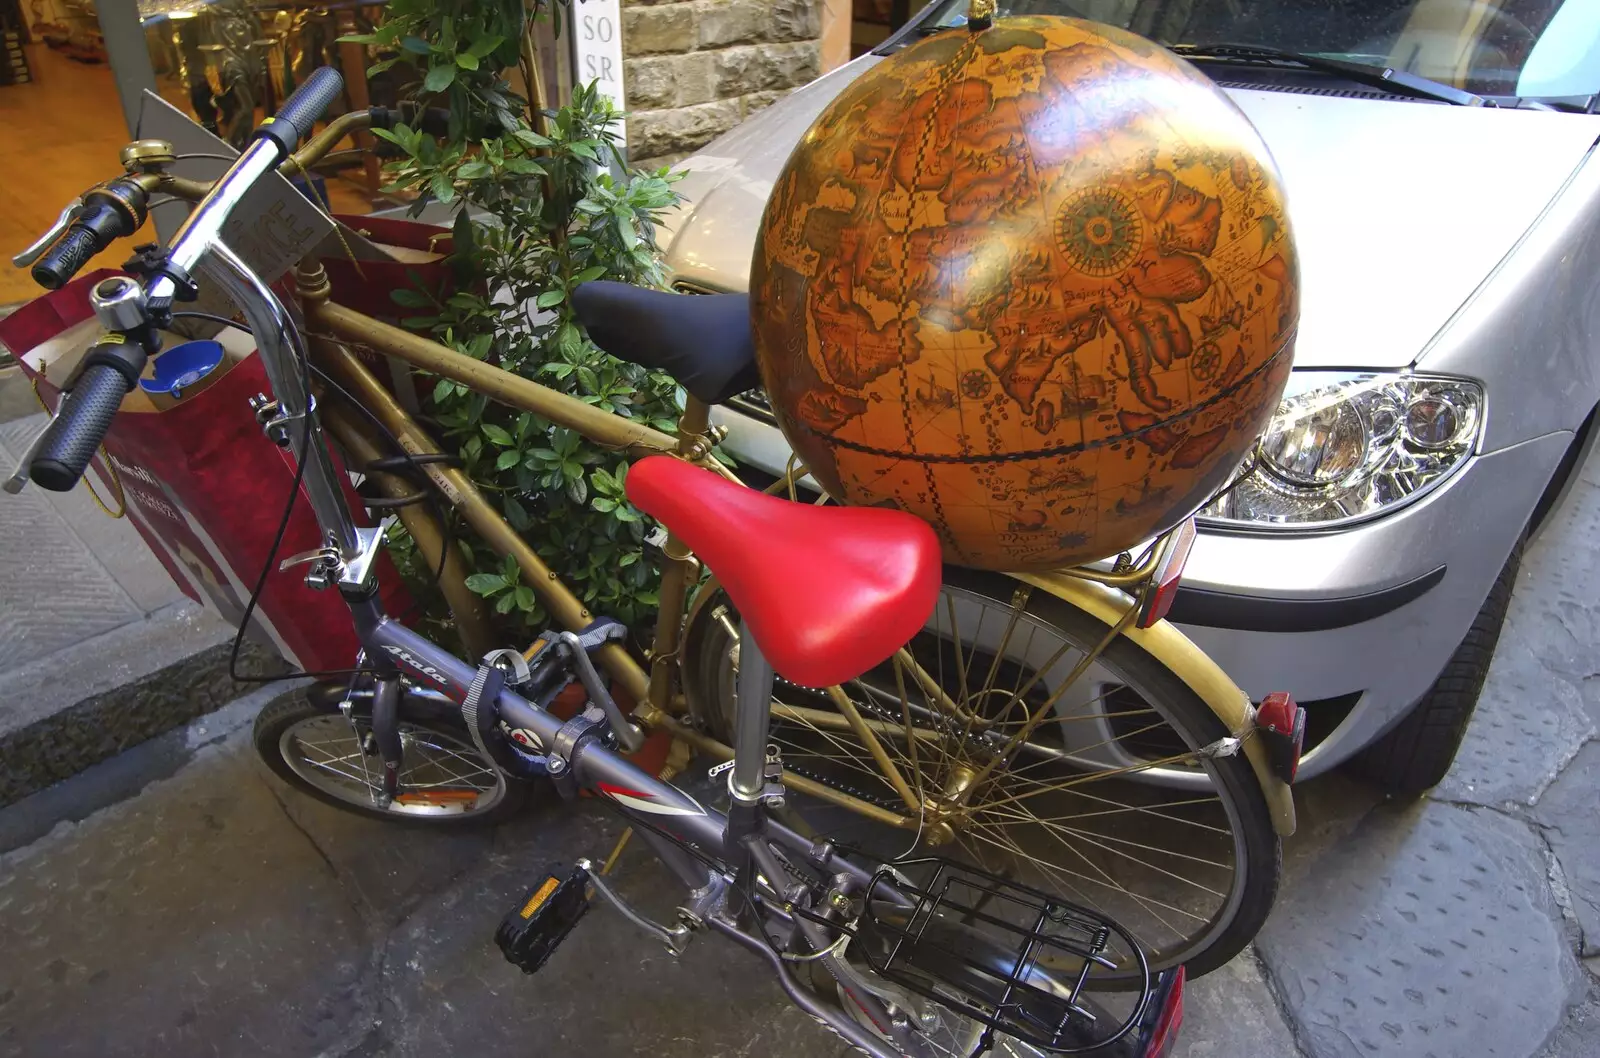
(748, 781)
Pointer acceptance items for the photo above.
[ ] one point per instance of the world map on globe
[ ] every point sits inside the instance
(1034, 283)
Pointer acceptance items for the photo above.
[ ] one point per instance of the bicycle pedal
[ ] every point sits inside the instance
(530, 933)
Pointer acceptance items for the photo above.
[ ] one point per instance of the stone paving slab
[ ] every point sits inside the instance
(1570, 815)
(192, 920)
(219, 911)
(111, 545)
(99, 650)
(53, 592)
(1429, 931)
(1232, 1013)
(1541, 701)
(114, 692)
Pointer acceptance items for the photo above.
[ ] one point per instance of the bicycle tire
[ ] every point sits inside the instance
(281, 718)
(1257, 852)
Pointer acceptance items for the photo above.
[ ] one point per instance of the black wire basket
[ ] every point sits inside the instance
(1015, 959)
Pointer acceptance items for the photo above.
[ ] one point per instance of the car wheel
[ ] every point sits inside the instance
(1415, 754)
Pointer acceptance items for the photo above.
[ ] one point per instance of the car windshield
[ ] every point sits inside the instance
(1527, 48)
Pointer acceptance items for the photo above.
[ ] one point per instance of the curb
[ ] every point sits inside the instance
(67, 741)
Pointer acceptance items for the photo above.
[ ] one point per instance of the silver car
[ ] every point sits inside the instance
(1440, 164)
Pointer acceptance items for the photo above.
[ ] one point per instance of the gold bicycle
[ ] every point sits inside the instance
(1051, 729)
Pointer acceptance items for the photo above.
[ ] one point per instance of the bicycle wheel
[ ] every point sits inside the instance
(444, 780)
(1088, 788)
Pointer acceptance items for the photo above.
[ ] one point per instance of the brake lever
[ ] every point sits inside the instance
(70, 213)
(19, 477)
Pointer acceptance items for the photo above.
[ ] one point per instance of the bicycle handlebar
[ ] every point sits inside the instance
(85, 414)
(112, 368)
(111, 211)
(295, 119)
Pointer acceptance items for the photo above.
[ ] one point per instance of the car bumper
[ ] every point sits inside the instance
(1362, 619)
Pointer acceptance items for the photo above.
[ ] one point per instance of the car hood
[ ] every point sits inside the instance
(1400, 209)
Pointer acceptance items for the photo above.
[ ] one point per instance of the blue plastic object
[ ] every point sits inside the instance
(181, 367)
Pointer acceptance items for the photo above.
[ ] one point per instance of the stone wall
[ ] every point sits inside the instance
(696, 68)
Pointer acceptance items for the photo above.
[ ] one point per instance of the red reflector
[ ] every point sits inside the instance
(1284, 725)
(1165, 1035)
(1163, 590)
(1161, 600)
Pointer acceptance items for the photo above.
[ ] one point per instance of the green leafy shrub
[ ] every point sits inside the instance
(542, 212)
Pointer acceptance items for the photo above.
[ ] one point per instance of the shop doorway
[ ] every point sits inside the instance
(225, 63)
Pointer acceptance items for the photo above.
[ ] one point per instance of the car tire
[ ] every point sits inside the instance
(1414, 755)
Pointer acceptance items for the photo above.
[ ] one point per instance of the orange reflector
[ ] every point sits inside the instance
(437, 797)
(539, 897)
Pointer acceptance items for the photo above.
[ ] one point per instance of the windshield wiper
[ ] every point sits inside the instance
(1397, 81)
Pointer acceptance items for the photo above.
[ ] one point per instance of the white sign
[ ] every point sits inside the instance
(597, 49)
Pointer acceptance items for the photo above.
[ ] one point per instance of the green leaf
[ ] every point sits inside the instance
(551, 298)
(507, 459)
(529, 138)
(526, 600)
(591, 273)
(415, 45)
(516, 514)
(411, 299)
(466, 60)
(442, 188)
(443, 389)
(505, 602)
(497, 434)
(474, 170)
(486, 583)
(577, 489)
(486, 44)
(439, 78)
(627, 232)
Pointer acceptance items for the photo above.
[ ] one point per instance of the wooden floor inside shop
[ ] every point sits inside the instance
(59, 135)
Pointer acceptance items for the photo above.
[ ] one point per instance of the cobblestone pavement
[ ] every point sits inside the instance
(215, 912)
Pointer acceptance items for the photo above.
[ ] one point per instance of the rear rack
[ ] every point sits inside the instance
(1029, 985)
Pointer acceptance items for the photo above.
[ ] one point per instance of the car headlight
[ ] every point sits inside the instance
(1343, 447)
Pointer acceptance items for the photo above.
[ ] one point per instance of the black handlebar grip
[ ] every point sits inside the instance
(74, 435)
(298, 115)
(57, 265)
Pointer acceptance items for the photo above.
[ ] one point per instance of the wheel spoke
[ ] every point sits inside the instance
(983, 715)
(1149, 810)
(326, 751)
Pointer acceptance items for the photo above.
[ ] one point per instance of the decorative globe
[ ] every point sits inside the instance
(1033, 283)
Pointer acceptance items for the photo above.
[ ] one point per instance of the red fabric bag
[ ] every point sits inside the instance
(365, 285)
(206, 490)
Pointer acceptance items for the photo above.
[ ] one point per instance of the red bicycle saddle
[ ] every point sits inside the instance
(828, 592)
